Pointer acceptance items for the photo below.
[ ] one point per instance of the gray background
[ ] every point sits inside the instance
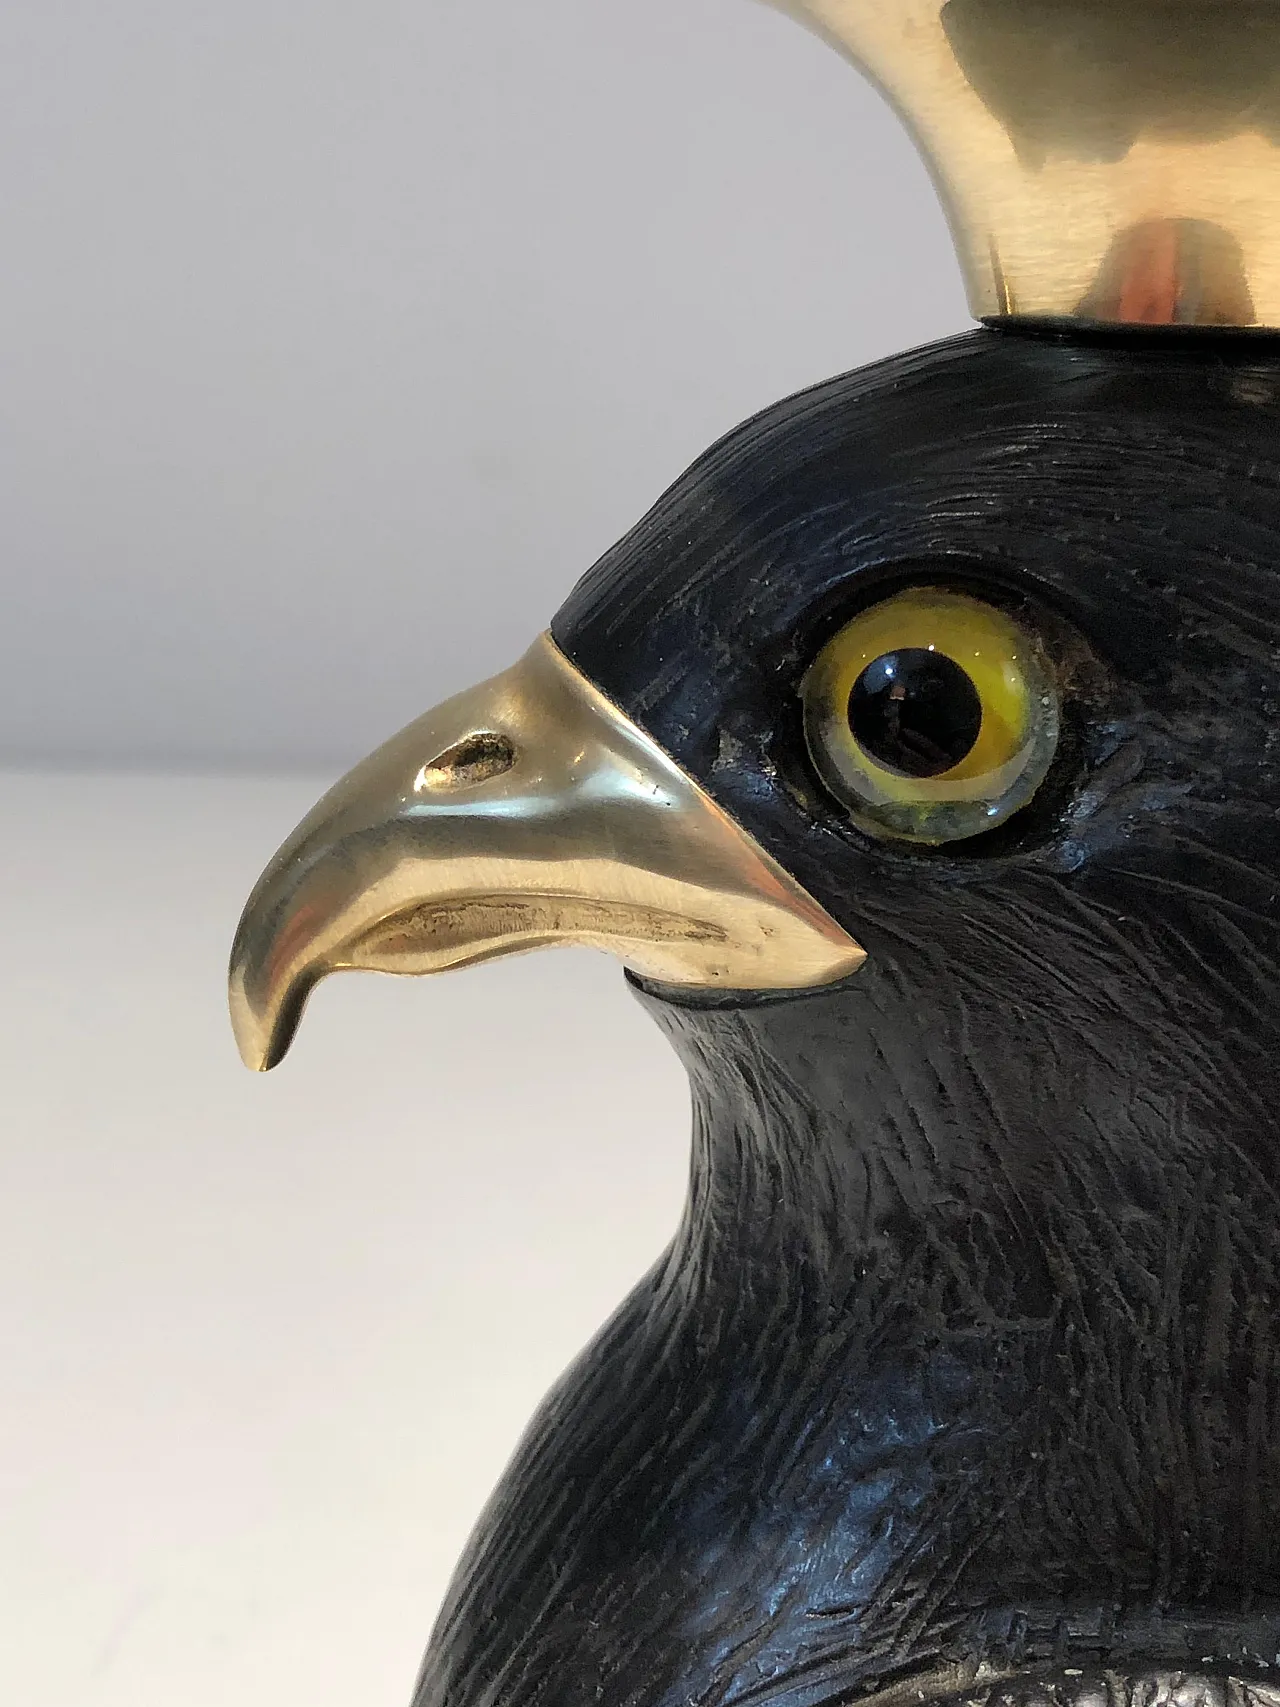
(338, 339)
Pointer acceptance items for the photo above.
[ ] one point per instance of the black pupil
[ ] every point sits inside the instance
(915, 712)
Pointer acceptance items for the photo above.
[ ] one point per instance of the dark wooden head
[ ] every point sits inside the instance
(963, 1370)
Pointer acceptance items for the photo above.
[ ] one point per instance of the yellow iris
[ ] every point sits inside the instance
(942, 674)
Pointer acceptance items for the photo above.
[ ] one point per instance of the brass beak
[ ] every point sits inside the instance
(523, 812)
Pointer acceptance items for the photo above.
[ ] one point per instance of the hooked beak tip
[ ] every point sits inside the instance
(253, 1039)
(263, 1029)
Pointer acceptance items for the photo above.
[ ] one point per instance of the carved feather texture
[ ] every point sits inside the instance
(965, 1362)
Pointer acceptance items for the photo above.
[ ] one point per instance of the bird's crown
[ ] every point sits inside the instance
(1101, 162)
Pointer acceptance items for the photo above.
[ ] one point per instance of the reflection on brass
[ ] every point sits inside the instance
(1171, 272)
(524, 812)
(1106, 161)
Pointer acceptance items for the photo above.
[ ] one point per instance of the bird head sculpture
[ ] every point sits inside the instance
(918, 755)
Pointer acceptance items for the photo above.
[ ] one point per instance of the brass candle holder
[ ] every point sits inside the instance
(1108, 162)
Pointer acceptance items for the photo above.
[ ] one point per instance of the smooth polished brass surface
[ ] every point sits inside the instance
(1111, 162)
(524, 812)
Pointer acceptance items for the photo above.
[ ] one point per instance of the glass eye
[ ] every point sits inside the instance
(933, 716)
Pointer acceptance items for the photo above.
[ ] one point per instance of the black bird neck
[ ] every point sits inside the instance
(961, 1375)
(843, 1129)
(1051, 1275)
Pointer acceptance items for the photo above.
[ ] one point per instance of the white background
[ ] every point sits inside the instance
(336, 341)
(266, 1343)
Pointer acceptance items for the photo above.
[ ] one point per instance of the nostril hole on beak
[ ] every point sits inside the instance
(476, 758)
